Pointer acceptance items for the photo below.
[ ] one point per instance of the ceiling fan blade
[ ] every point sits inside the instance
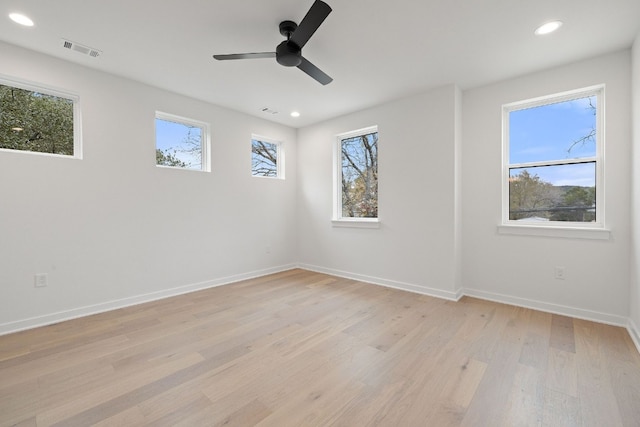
(310, 23)
(245, 56)
(315, 72)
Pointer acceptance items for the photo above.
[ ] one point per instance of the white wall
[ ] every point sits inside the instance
(415, 247)
(114, 229)
(635, 212)
(520, 269)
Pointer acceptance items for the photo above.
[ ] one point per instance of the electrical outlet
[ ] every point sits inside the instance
(560, 273)
(40, 280)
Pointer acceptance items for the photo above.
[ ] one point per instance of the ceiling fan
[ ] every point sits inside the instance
(289, 52)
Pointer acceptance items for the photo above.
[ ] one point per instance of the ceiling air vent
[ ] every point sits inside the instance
(268, 110)
(86, 50)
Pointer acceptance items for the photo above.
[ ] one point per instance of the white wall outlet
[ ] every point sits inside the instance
(560, 273)
(40, 280)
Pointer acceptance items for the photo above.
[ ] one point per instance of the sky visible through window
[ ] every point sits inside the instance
(180, 140)
(555, 132)
(264, 158)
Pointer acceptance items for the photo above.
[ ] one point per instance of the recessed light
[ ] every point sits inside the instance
(547, 28)
(295, 114)
(21, 19)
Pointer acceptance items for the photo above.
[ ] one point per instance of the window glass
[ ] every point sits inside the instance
(561, 130)
(359, 175)
(554, 164)
(180, 143)
(553, 193)
(35, 121)
(265, 158)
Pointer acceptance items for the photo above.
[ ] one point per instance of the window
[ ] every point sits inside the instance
(266, 158)
(553, 160)
(38, 120)
(181, 143)
(356, 176)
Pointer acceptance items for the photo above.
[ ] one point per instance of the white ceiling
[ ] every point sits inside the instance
(376, 50)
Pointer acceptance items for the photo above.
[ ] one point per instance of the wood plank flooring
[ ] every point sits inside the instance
(305, 349)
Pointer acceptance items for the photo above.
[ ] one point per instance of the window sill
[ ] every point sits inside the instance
(356, 223)
(563, 232)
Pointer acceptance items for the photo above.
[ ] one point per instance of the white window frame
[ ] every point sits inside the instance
(337, 219)
(60, 93)
(205, 146)
(279, 156)
(591, 230)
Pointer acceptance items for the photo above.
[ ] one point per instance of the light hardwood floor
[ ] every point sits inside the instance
(300, 348)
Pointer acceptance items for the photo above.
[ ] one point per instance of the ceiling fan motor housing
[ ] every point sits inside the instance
(288, 54)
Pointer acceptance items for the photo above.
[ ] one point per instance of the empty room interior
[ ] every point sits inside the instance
(305, 212)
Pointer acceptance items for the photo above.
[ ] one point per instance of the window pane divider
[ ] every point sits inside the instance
(582, 160)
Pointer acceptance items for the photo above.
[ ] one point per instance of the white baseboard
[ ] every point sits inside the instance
(595, 316)
(418, 289)
(48, 319)
(578, 313)
(633, 330)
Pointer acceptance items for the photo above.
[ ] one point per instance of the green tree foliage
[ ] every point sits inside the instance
(530, 196)
(32, 121)
(528, 193)
(580, 198)
(166, 158)
(360, 176)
